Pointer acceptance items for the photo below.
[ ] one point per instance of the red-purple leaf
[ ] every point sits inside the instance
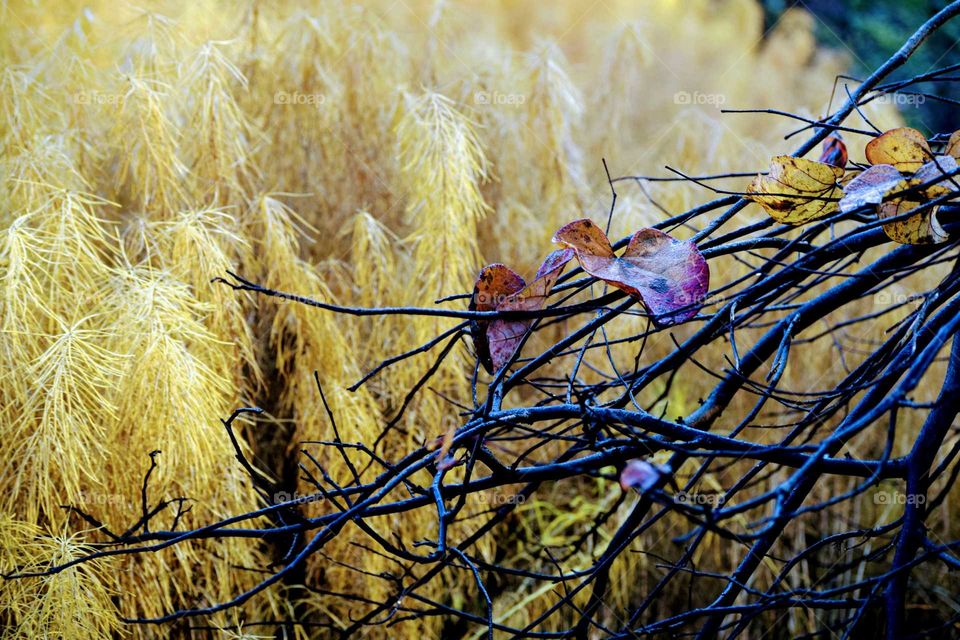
(670, 277)
(495, 284)
(834, 151)
(504, 336)
(640, 475)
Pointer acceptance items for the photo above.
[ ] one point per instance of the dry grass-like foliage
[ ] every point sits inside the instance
(368, 155)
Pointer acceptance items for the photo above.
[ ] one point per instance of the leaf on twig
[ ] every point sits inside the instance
(796, 190)
(640, 475)
(870, 187)
(442, 446)
(877, 182)
(953, 145)
(670, 277)
(923, 227)
(920, 228)
(494, 284)
(904, 148)
(834, 151)
(498, 288)
(936, 169)
(504, 335)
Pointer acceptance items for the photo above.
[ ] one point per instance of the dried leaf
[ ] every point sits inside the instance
(871, 186)
(495, 284)
(953, 145)
(796, 190)
(834, 151)
(904, 148)
(668, 276)
(555, 260)
(640, 475)
(921, 228)
(504, 336)
(877, 182)
(442, 445)
(933, 170)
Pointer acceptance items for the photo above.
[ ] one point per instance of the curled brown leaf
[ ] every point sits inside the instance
(495, 284)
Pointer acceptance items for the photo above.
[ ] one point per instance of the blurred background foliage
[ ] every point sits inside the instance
(870, 31)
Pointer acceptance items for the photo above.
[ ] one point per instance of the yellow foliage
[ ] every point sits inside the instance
(75, 603)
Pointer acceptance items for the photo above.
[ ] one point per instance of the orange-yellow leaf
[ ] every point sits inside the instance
(904, 148)
(444, 459)
(796, 190)
(920, 228)
(923, 227)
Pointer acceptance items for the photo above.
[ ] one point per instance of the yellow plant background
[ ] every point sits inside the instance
(368, 154)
